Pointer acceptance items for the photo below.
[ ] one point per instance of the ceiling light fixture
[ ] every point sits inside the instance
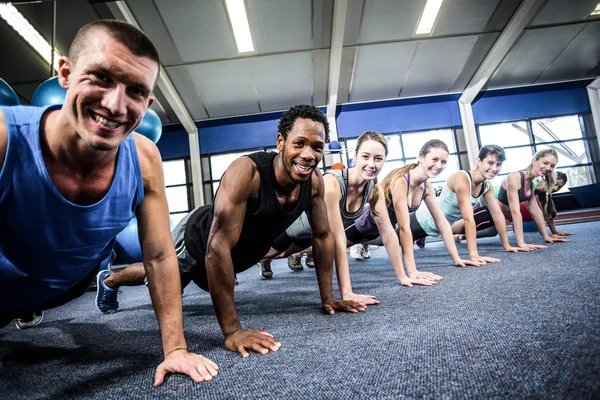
(596, 11)
(239, 23)
(17, 21)
(430, 13)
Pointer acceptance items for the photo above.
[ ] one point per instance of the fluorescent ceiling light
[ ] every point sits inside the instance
(430, 13)
(17, 21)
(596, 11)
(239, 22)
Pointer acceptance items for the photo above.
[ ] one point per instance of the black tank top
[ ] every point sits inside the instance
(260, 229)
(523, 195)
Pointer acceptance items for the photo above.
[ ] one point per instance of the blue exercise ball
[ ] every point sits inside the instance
(127, 245)
(8, 97)
(151, 127)
(529, 226)
(335, 147)
(49, 93)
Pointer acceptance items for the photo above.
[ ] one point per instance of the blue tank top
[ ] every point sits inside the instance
(47, 243)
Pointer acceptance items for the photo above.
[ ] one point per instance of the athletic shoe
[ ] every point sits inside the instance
(355, 252)
(365, 252)
(420, 243)
(29, 320)
(310, 262)
(295, 262)
(235, 282)
(265, 269)
(106, 298)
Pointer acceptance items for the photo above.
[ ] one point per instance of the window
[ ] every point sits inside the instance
(412, 142)
(556, 129)
(505, 135)
(522, 139)
(220, 163)
(177, 187)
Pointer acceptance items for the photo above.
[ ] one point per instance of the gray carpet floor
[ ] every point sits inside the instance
(527, 327)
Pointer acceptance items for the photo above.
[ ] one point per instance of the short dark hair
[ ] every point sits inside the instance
(562, 176)
(286, 123)
(128, 35)
(492, 149)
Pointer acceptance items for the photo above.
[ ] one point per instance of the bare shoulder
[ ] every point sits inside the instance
(430, 189)
(3, 139)
(332, 186)
(317, 182)
(457, 180)
(148, 155)
(241, 178)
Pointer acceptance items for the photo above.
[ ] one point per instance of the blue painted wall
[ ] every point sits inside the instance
(401, 115)
(510, 107)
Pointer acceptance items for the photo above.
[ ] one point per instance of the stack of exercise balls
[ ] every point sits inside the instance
(127, 245)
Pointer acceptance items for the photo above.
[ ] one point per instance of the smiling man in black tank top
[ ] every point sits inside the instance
(259, 197)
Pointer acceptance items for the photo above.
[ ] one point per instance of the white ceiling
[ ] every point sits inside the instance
(381, 59)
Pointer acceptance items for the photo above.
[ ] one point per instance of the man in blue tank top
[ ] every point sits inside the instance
(259, 197)
(71, 178)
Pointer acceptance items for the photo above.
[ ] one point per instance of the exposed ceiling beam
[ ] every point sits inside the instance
(335, 62)
(593, 90)
(526, 11)
(121, 11)
(509, 36)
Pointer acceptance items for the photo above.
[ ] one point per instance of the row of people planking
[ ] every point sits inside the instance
(74, 176)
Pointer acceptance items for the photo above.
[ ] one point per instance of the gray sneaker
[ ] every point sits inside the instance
(295, 262)
(365, 252)
(29, 320)
(265, 269)
(310, 262)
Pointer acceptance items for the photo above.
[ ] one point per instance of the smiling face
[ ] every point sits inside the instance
(544, 165)
(434, 162)
(302, 151)
(369, 159)
(108, 90)
(490, 166)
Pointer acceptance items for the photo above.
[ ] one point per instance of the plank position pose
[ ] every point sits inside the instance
(404, 189)
(460, 193)
(73, 177)
(517, 188)
(259, 197)
(348, 193)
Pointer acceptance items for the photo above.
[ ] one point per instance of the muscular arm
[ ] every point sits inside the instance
(239, 184)
(159, 258)
(160, 264)
(323, 246)
(333, 195)
(322, 241)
